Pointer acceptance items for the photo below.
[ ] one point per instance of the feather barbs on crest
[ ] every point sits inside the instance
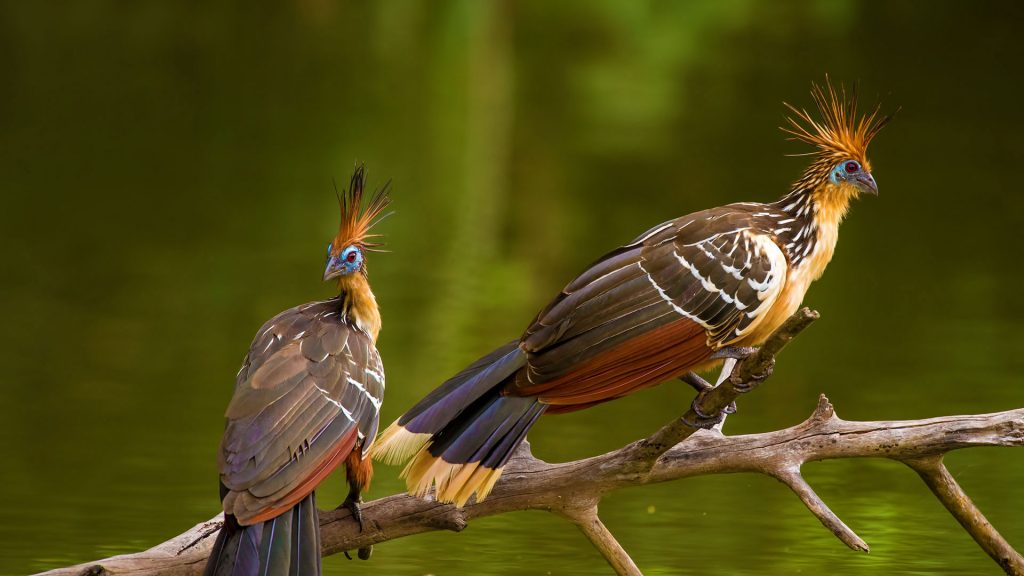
(357, 220)
(840, 133)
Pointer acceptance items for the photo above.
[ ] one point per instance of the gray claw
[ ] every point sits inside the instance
(704, 420)
(352, 505)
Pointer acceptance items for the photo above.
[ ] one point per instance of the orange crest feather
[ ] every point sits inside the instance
(840, 133)
(356, 220)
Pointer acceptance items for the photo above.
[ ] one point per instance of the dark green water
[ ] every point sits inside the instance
(166, 177)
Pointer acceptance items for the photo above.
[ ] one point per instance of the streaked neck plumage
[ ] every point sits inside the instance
(817, 207)
(359, 303)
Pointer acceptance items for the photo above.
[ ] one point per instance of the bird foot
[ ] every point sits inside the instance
(703, 419)
(755, 379)
(353, 506)
(701, 385)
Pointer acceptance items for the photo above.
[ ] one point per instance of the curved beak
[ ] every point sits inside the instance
(867, 183)
(335, 267)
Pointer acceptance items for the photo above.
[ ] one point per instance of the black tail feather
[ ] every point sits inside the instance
(446, 402)
(461, 435)
(488, 431)
(286, 545)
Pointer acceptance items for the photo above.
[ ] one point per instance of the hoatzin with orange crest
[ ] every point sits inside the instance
(306, 400)
(681, 298)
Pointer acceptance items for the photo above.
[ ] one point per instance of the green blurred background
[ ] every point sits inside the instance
(166, 175)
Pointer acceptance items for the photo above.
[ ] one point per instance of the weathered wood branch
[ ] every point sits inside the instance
(935, 474)
(590, 524)
(574, 489)
(530, 484)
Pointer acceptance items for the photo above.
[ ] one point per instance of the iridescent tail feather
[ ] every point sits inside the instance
(460, 436)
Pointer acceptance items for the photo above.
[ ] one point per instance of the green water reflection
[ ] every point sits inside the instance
(166, 187)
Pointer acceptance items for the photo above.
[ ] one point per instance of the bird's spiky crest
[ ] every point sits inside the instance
(357, 220)
(840, 133)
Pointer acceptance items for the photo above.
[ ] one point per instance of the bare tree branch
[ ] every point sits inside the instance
(948, 491)
(530, 484)
(790, 475)
(602, 539)
(574, 489)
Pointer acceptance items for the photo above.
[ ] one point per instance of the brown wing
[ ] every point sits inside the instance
(654, 308)
(308, 393)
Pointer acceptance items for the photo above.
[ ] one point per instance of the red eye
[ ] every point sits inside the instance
(351, 258)
(851, 167)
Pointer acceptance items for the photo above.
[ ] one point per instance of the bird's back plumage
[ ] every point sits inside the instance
(309, 391)
(644, 313)
(306, 400)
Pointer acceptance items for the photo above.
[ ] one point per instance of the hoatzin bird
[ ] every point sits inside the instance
(676, 300)
(307, 399)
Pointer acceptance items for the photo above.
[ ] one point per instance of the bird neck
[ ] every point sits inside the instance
(359, 304)
(816, 208)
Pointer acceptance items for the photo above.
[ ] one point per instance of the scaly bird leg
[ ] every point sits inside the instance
(696, 382)
(701, 386)
(352, 504)
(703, 420)
(735, 354)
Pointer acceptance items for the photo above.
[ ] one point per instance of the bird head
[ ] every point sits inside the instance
(346, 254)
(348, 261)
(854, 177)
(841, 139)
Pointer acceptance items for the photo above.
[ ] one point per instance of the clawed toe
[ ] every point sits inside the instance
(703, 419)
(357, 513)
(755, 379)
(353, 506)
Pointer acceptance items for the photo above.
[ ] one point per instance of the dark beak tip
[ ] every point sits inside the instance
(331, 270)
(870, 184)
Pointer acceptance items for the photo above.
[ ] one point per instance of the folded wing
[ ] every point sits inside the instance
(653, 308)
(309, 392)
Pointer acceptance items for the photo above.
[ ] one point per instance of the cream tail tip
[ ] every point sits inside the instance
(396, 444)
(455, 483)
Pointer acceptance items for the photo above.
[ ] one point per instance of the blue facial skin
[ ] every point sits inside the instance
(350, 260)
(851, 171)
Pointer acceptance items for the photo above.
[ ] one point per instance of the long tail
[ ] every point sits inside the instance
(288, 544)
(461, 435)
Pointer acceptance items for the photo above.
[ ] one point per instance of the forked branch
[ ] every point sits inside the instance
(573, 490)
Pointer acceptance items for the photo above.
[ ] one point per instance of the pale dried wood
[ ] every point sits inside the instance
(948, 491)
(573, 489)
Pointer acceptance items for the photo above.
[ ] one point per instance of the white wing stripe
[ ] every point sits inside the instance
(769, 289)
(716, 236)
(665, 297)
(734, 272)
(373, 400)
(327, 395)
(605, 275)
(707, 284)
(378, 376)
